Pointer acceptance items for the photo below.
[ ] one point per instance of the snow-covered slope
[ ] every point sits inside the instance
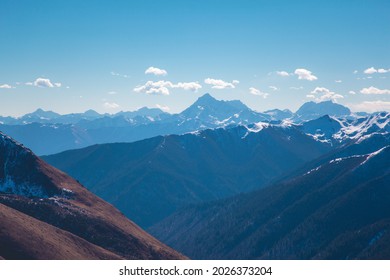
(211, 113)
(338, 130)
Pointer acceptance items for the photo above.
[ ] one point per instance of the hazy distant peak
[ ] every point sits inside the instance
(91, 113)
(311, 110)
(207, 99)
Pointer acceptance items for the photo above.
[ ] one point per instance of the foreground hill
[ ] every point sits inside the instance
(150, 179)
(338, 209)
(23, 237)
(46, 214)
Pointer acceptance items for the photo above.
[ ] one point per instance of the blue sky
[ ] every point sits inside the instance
(70, 56)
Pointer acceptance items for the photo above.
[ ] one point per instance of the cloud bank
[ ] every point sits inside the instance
(374, 90)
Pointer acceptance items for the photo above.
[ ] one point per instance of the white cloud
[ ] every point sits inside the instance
(371, 106)
(273, 88)
(372, 70)
(374, 90)
(322, 94)
(220, 84)
(162, 87)
(163, 108)
(150, 87)
(282, 73)
(382, 71)
(304, 74)
(112, 105)
(43, 82)
(296, 88)
(338, 81)
(257, 92)
(355, 72)
(7, 86)
(192, 86)
(112, 92)
(119, 75)
(156, 71)
(352, 92)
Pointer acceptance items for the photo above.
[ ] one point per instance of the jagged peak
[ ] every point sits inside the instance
(205, 98)
(208, 99)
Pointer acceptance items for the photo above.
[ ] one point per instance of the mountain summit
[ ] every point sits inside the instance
(312, 110)
(212, 111)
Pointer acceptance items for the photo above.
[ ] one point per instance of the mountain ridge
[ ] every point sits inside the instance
(334, 211)
(178, 169)
(41, 192)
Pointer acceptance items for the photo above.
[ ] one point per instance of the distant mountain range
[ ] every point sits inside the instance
(50, 117)
(45, 214)
(46, 132)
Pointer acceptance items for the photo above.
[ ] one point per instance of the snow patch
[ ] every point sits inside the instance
(363, 127)
(287, 123)
(338, 160)
(223, 121)
(257, 127)
(29, 190)
(320, 138)
(312, 170)
(370, 156)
